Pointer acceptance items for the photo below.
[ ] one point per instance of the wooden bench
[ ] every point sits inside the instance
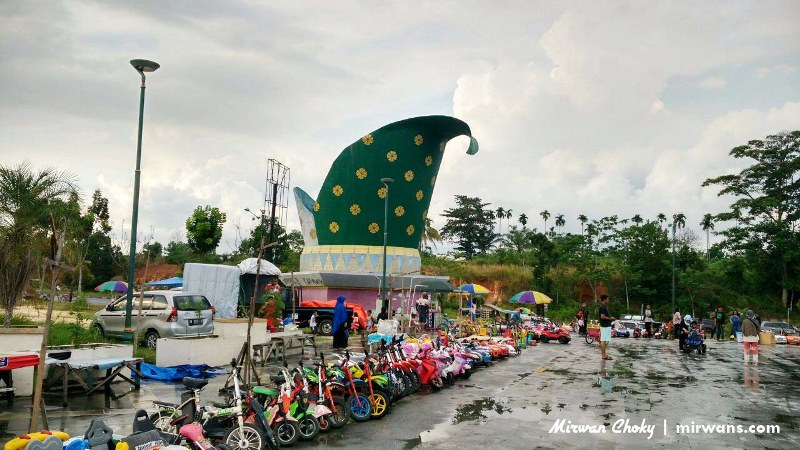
(278, 346)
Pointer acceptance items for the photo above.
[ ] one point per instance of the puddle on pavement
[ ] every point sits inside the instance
(477, 409)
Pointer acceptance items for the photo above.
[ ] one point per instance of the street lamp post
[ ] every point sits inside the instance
(386, 182)
(673, 265)
(142, 66)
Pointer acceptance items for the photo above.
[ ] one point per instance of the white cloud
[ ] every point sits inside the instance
(713, 83)
(570, 101)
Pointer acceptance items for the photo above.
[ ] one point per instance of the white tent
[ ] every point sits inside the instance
(219, 283)
(250, 265)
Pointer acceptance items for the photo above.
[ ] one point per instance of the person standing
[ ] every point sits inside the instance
(369, 321)
(682, 331)
(719, 321)
(383, 315)
(676, 322)
(750, 329)
(423, 306)
(648, 321)
(736, 324)
(340, 333)
(605, 326)
(585, 314)
(312, 322)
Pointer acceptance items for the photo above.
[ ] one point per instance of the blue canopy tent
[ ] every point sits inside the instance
(169, 282)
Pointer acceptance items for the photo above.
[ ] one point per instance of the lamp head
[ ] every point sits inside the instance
(387, 180)
(143, 65)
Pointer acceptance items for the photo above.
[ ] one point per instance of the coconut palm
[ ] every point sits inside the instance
(27, 197)
(661, 218)
(545, 215)
(637, 219)
(508, 215)
(583, 219)
(560, 222)
(501, 214)
(523, 219)
(708, 224)
(430, 236)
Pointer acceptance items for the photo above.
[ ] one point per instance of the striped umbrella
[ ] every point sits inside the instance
(112, 286)
(531, 297)
(474, 289)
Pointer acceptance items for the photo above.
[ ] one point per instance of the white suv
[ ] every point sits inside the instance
(164, 314)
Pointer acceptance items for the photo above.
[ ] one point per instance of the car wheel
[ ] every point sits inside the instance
(151, 338)
(326, 327)
(563, 340)
(544, 339)
(99, 330)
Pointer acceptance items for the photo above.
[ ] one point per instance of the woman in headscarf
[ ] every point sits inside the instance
(340, 323)
(750, 329)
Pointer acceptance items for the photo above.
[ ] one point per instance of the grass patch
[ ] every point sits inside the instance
(62, 333)
(147, 354)
(17, 320)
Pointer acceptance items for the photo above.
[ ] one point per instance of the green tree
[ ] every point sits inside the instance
(204, 229)
(288, 245)
(560, 222)
(582, 219)
(101, 259)
(500, 215)
(708, 224)
(27, 198)
(545, 215)
(154, 249)
(767, 208)
(469, 226)
(637, 219)
(523, 219)
(430, 236)
(178, 253)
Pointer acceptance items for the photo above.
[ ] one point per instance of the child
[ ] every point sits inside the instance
(313, 322)
(354, 325)
(369, 321)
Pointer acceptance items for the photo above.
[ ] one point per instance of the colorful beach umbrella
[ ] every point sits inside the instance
(113, 286)
(474, 289)
(531, 297)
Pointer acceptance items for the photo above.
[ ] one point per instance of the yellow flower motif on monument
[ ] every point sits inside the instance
(399, 211)
(433, 180)
(313, 233)
(374, 228)
(355, 209)
(367, 140)
(410, 230)
(409, 175)
(316, 206)
(428, 160)
(418, 139)
(420, 194)
(334, 227)
(382, 192)
(391, 156)
(361, 173)
(337, 190)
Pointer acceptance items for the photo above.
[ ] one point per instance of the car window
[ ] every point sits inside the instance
(117, 305)
(191, 303)
(160, 302)
(147, 302)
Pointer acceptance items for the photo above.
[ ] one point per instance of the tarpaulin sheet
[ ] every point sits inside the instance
(11, 362)
(330, 304)
(176, 373)
(219, 284)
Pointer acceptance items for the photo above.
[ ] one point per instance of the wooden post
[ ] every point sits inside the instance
(57, 247)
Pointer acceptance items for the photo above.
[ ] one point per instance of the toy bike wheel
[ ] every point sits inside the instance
(287, 433)
(588, 339)
(309, 427)
(340, 417)
(436, 383)
(248, 438)
(359, 407)
(380, 404)
(162, 421)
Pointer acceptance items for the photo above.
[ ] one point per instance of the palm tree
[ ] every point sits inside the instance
(661, 218)
(501, 214)
(560, 222)
(27, 198)
(523, 219)
(637, 219)
(430, 236)
(708, 224)
(545, 215)
(678, 221)
(508, 214)
(583, 219)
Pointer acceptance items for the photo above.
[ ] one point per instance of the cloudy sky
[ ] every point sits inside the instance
(586, 107)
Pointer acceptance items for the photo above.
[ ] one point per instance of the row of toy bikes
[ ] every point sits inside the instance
(302, 401)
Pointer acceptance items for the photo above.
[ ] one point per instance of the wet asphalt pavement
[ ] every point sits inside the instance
(517, 402)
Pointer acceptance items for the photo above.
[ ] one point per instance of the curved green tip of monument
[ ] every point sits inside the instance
(349, 209)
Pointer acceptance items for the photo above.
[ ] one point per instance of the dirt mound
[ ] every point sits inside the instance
(157, 272)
